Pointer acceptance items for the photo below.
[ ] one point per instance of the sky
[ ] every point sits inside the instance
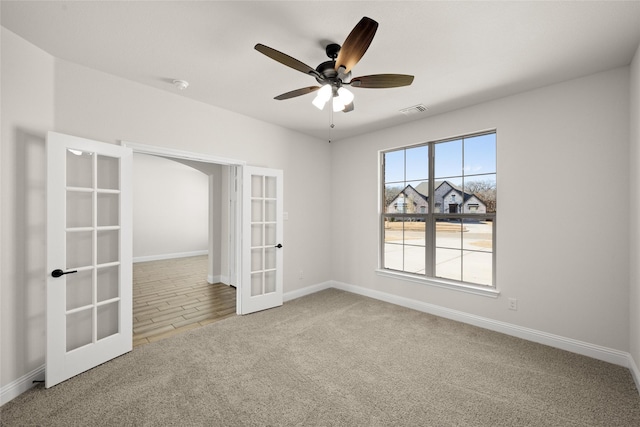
(466, 157)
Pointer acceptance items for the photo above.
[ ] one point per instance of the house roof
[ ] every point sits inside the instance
(425, 198)
(423, 189)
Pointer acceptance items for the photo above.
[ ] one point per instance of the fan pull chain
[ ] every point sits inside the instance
(331, 126)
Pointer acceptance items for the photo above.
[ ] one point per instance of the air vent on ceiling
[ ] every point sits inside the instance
(420, 108)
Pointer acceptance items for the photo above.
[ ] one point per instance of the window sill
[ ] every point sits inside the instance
(460, 287)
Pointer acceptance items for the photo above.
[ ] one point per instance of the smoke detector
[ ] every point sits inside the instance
(181, 84)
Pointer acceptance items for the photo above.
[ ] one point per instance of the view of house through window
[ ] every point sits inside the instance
(439, 209)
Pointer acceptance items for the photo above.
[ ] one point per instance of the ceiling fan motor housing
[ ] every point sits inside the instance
(327, 70)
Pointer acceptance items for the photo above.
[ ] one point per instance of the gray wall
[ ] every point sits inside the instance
(170, 208)
(568, 268)
(40, 93)
(27, 114)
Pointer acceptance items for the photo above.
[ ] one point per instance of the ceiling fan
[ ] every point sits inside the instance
(334, 74)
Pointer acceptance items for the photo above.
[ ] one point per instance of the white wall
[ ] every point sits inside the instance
(27, 80)
(40, 94)
(567, 263)
(634, 196)
(170, 208)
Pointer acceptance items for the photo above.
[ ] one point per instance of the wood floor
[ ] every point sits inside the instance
(172, 296)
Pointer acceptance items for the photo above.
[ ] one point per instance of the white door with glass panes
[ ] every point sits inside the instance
(262, 250)
(89, 255)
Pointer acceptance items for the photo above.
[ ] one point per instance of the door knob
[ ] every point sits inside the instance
(278, 246)
(58, 272)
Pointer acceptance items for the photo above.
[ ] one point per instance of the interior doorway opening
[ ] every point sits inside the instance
(172, 295)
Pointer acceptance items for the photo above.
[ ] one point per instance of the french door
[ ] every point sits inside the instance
(89, 258)
(262, 249)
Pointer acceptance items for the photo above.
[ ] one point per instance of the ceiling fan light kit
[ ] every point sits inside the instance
(324, 95)
(341, 97)
(334, 74)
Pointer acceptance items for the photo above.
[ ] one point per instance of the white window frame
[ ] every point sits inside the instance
(430, 219)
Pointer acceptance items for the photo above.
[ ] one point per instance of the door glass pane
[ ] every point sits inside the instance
(79, 209)
(256, 235)
(256, 186)
(449, 263)
(270, 258)
(270, 235)
(108, 173)
(256, 260)
(256, 211)
(108, 280)
(79, 329)
(108, 209)
(108, 247)
(79, 169)
(270, 188)
(269, 281)
(79, 289)
(79, 249)
(256, 284)
(108, 319)
(270, 210)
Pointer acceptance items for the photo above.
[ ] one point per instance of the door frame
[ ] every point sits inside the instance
(235, 211)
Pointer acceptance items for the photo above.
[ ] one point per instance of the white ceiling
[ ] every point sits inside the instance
(460, 53)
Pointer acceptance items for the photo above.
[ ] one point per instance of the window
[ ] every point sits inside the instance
(451, 237)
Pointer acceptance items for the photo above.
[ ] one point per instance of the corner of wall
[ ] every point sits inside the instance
(634, 226)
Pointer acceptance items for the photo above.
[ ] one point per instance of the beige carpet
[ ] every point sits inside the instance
(334, 358)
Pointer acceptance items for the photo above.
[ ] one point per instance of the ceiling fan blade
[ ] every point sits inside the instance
(356, 44)
(285, 59)
(297, 92)
(382, 81)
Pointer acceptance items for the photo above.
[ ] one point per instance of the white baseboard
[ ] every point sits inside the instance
(169, 256)
(217, 279)
(635, 373)
(606, 354)
(19, 386)
(288, 296)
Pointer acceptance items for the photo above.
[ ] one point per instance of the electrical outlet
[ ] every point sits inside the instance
(301, 275)
(513, 304)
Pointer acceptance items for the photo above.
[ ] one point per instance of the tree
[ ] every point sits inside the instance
(390, 193)
(485, 190)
